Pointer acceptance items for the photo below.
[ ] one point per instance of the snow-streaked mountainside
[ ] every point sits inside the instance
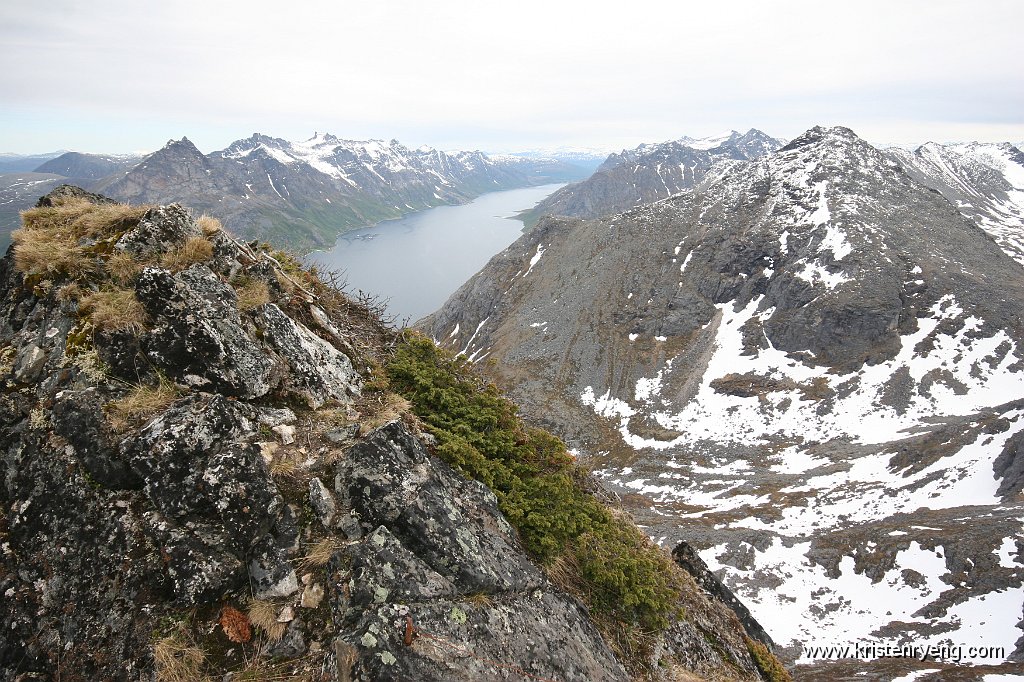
(296, 194)
(810, 366)
(651, 172)
(985, 181)
(303, 194)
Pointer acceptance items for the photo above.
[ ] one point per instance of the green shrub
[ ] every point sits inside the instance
(770, 667)
(539, 488)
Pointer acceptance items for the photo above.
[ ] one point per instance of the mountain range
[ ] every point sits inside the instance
(295, 194)
(650, 172)
(807, 364)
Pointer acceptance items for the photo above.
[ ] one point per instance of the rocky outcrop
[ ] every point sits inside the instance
(691, 562)
(209, 491)
(437, 555)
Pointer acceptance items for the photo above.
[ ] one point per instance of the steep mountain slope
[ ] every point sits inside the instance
(205, 477)
(305, 193)
(87, 167)
(651, 172)
(810, 367)
(985, 181)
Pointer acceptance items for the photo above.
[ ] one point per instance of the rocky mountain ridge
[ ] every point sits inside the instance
(651, 172)
(83, 168)
(305, 193)
(203, 476)
(984, 181)
(297, 194)
(807, 365)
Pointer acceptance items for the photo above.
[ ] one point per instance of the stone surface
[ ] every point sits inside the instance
(441, 554)
(161, 229)
(198, 338)
(317, 370)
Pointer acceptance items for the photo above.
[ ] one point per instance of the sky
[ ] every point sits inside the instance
(124, 76)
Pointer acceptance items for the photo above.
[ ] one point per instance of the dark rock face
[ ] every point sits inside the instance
(199, 339)
(451, 564)
(686, 557)
(1009, 466)
(392, 482)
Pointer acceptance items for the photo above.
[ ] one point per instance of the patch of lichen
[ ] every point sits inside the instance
(630, 584)
(79, 339)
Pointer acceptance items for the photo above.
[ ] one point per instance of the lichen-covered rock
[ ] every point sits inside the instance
(450, 522)
(194, 463)
(317, 370)
(442, 562)
(199, 339)
(161, 229)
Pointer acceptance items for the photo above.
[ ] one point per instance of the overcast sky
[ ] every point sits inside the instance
(119, 76)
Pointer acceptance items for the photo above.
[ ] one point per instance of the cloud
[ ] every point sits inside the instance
(532, 69)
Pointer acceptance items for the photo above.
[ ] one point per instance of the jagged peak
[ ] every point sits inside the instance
(183, 145)
(825, 134)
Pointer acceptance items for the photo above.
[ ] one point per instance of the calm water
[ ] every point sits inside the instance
(418, 261)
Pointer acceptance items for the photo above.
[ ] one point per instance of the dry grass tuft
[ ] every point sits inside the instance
(194, 250)
(48, 242)
(209, 225)
(320, 553)
(178, 659)
(79, 218)
(481, 600)
(285, 466)
(252, 293)
(263, 614)
(38, 252)
(114, 309)
(387, 408)
(122, 267)
(143, 402)
(566, 574)
(69, 292)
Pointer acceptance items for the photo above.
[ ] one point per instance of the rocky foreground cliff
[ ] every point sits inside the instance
(210, 470)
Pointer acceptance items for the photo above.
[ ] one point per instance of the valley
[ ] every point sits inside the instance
(297, 195)
(413, 264)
